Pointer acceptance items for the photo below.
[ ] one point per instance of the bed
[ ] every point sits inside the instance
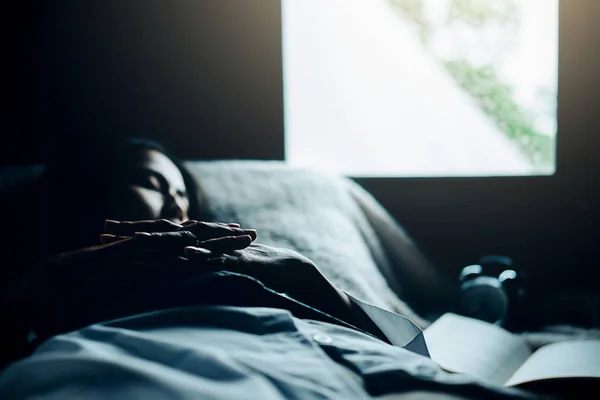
(330, 219)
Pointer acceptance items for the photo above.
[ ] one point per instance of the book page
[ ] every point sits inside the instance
(474, 347)
(561, 360)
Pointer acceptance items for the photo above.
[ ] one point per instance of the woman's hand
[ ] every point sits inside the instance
(280, 269)
(166, 236)
(139, 255)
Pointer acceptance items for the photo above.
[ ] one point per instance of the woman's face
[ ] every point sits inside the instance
(154, 188)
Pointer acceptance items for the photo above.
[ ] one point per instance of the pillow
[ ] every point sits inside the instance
(312, 213)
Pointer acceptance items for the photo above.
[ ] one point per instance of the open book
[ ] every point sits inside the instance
(486, 351)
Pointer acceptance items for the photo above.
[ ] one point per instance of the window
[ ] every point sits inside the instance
(421, 88)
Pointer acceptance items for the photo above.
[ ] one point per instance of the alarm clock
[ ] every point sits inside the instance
(486, 289)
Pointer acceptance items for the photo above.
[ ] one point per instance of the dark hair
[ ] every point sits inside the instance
(79, 180)
(129, 148)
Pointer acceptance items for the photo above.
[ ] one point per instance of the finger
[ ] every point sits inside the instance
(227, 244)
(165, 241)
(192, 221)
(198, 251)
(195, 253)
(107, 238)
(174, 242)
(128, 228)
(213, 230)
(231, 224)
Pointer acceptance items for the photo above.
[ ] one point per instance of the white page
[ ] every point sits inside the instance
(474, 347)
(561, 360)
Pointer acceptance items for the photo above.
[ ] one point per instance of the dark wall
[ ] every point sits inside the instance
(204, 77)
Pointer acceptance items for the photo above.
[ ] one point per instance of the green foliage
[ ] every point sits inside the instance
(494, 97)
(479, 13)
(497, 101)
(413, 11)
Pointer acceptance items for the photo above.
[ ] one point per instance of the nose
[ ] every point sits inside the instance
(175, 208)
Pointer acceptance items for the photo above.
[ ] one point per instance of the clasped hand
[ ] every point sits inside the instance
(228, 247)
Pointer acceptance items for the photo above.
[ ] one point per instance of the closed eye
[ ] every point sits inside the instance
(148, 179)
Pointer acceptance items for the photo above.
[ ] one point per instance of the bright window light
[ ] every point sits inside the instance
(421, 87)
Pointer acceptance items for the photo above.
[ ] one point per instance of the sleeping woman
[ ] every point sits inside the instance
(130, 179)
(143, 299)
